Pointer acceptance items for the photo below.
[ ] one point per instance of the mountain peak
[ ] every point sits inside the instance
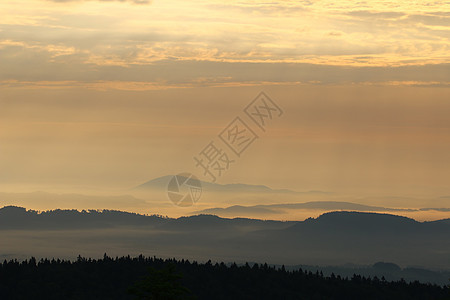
(161, 183)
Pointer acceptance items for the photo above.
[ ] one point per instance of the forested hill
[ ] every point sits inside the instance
(152, 278)
(334, 238)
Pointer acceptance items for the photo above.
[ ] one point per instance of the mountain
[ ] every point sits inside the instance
(237, 210)
(161, 183)
(284, 210)
(355, 236)
(13, 217)
(72, 200)
(333, 238)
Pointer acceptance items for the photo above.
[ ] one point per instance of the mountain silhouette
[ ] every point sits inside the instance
(331, 239)
(13, 217)
(161, 183)
(236, 210)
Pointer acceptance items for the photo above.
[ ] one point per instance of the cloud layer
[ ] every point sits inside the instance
(132, 1)
(89, 39)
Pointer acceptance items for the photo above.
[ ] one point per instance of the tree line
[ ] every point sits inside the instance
(155, 278)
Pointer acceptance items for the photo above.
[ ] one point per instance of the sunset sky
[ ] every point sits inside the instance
(105, 95)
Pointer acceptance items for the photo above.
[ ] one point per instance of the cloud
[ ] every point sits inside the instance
(386, 15)
(262, 8)
(142, 69)
(430, 19)
(216, 41)
(334, 33)
(132, 1)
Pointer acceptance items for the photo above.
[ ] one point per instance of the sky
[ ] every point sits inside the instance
(105, 95)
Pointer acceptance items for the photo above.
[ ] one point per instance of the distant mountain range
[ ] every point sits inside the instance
(333, 238)
(237, 210)
(66, 200)
(161, 183)
(13, 217)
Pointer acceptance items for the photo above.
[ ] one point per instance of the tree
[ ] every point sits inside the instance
(163, 284)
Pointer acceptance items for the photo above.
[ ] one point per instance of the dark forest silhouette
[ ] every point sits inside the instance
(154, 278)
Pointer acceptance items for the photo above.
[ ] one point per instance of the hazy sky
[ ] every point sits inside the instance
(110, 94)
